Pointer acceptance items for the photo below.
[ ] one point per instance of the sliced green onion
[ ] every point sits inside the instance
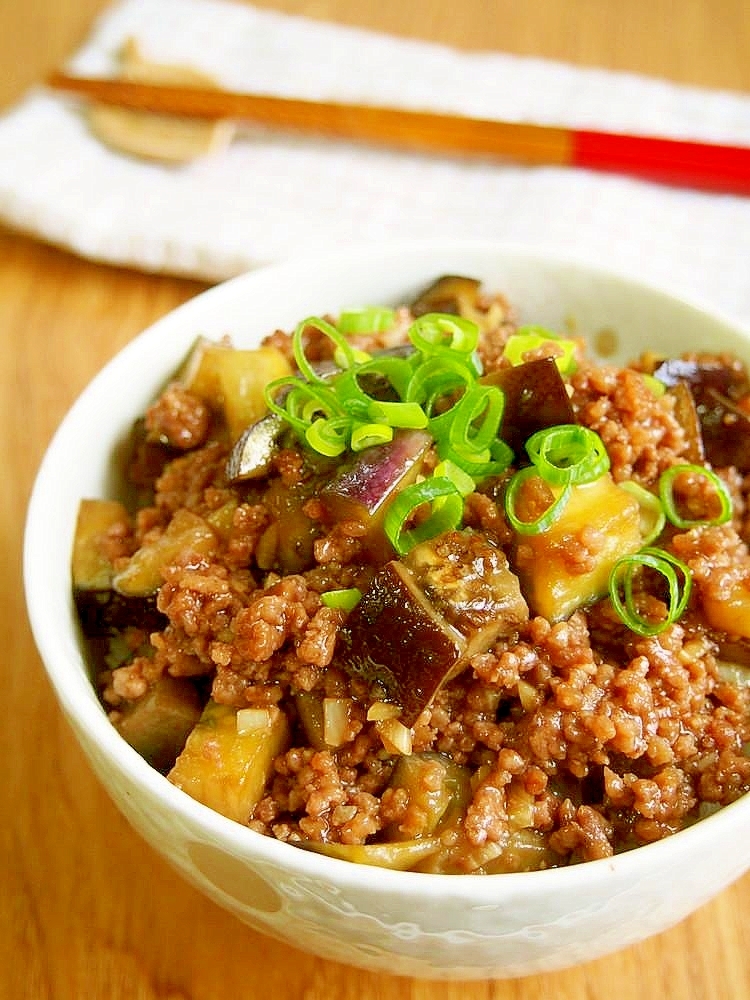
(531, 338)
(443, 330)
(476, 418)
(396, 371)
(366, 435)
(372, 319)
(398, 414)
(657, 387)
(447, 509)
(344, 600)
(436, 378)
(666, 492)
(290, 382)
(479, 465)
(352, 398)
(568, 453)
(346, 355)
(653, 517)
(463, 482)
(345, 359)
(328, 437)
(547, 518)
(622, 577)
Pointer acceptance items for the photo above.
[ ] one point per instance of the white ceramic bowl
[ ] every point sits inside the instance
(436, 926)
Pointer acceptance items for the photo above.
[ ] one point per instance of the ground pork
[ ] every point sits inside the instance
(564, 741)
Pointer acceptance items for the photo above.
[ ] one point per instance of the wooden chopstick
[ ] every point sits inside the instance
(707, 166)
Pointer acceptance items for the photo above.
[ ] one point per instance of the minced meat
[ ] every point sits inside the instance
(563, 741)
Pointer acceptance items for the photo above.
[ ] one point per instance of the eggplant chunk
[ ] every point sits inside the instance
(412, 633)
(92, 565)
(535, 398)
(555, 581)
(450, 293)
(227, 769)
(157, 724)
(105, 612)
(439, 791)
(468, 581)
(254, 450)
(730, 613)
(361, 490)
(521, 851)
(400, 855)
(187, 534)
(233, 380)
(717, 387)
(101, 609)
(396, 637)
(686, 413)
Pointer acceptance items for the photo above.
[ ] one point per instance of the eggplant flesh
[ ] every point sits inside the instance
(468, 581)
(451, 293)
(362, 488)
(102, 610)
(158, 724)
(421, 620)
(717, 389)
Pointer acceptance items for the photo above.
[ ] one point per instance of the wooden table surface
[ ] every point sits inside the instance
(86, 909)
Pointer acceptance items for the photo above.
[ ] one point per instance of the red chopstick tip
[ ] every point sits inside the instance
(669, 161)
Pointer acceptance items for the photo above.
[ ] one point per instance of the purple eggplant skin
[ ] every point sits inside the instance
(717, 387)
(394, 637)
(254, 450)
(423, 618)
(535, 398)
(367, 482)
(104, 613)
(361, 489)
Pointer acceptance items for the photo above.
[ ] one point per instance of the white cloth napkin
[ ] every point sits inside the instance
(271, 194)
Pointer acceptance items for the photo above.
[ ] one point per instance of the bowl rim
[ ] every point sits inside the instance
(78, 699)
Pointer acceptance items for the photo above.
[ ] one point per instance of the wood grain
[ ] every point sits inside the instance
(86, 910)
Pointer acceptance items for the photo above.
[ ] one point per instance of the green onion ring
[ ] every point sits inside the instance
(463, 482)
(550, 515)
(447, 510)
(622, 576)
(479, 401)
(329, 437)
(666, 492)
(653, 517)
(345, 599)
(371, 319)
(435, 378)
(365, 435)
(396, 371)
(410, 415)
(347, 356)
(444, 330)
(352, 398)
(490, 461)
(291, 382)
(531, 338)
(568, 453)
